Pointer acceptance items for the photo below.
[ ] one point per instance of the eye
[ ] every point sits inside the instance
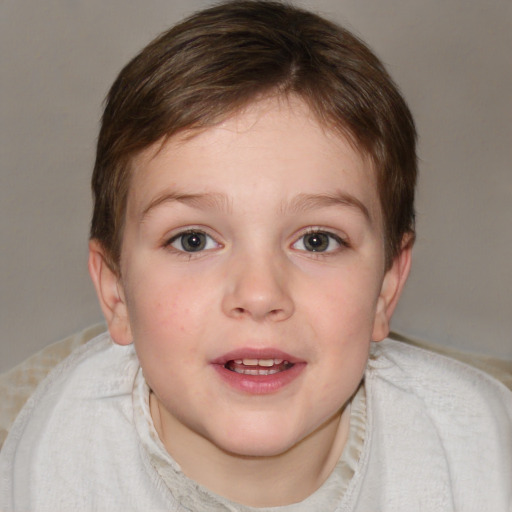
(319, 241)
(192, 241)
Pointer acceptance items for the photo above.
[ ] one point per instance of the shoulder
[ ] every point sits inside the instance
(438, 379)
(440, 427)
(76, 423)
(20, 382)
(91, 372)
(451, 392)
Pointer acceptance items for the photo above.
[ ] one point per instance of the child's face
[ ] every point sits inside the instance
(260, 238)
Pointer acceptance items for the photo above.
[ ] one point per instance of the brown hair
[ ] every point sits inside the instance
(217, 61)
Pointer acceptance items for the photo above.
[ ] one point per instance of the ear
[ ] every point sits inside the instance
(392, 286)
(110, 294)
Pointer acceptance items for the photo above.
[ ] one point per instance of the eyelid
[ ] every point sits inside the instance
(170, 239)
(342, 241)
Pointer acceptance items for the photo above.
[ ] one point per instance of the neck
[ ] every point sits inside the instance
(279, 480)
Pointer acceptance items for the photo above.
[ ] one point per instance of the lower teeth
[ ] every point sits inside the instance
(256, 372)
(259, 370)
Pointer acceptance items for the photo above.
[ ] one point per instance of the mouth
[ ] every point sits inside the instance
(250, 366)
(258, 371)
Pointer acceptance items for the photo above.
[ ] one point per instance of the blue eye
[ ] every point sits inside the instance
(318, 241)
(193, 241)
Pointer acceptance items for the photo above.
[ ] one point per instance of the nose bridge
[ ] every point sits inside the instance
(258, 286)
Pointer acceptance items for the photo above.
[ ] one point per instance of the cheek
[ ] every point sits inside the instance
(345, 299)
(166, 327)
(167, 305)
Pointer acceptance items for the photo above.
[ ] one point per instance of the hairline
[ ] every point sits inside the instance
(186, 133)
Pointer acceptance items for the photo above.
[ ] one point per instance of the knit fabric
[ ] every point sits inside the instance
(428, 434)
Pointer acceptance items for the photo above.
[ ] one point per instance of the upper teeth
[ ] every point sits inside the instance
(258, 362)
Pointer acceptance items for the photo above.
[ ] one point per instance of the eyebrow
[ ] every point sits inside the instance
(214, 201)
(304, 202)
(300, 203)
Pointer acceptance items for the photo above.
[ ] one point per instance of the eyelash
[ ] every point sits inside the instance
(341, 242)
(191, 253)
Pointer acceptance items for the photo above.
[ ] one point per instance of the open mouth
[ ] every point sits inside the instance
(258, 371)
(258, 366)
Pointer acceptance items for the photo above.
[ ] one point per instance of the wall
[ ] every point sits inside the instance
(452, 61)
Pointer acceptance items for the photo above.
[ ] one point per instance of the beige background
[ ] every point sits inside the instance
(452, 61)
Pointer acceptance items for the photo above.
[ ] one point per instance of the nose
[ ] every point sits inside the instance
(258, 288)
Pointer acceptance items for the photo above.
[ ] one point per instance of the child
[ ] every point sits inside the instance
(251, 236)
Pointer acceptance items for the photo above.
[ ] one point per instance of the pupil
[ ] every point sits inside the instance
(193, 242)
(317, 242)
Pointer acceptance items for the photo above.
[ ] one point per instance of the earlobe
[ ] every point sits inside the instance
(110, 294)
(392, 286)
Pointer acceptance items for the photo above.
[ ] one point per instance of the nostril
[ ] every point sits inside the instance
(243, 311)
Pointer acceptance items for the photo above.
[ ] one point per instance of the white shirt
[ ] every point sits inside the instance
(436, 436)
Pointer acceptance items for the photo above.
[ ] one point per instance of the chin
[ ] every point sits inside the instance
(257, 448)
(258, 441)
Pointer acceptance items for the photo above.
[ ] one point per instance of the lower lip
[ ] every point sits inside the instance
(259, 384)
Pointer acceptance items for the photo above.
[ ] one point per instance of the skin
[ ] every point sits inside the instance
(256, 284)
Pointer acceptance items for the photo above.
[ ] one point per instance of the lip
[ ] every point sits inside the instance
(258, 384)
(256, 353)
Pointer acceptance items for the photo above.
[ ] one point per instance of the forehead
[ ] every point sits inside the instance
(269, 139)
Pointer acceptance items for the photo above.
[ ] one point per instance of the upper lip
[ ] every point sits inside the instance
(256, 353)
